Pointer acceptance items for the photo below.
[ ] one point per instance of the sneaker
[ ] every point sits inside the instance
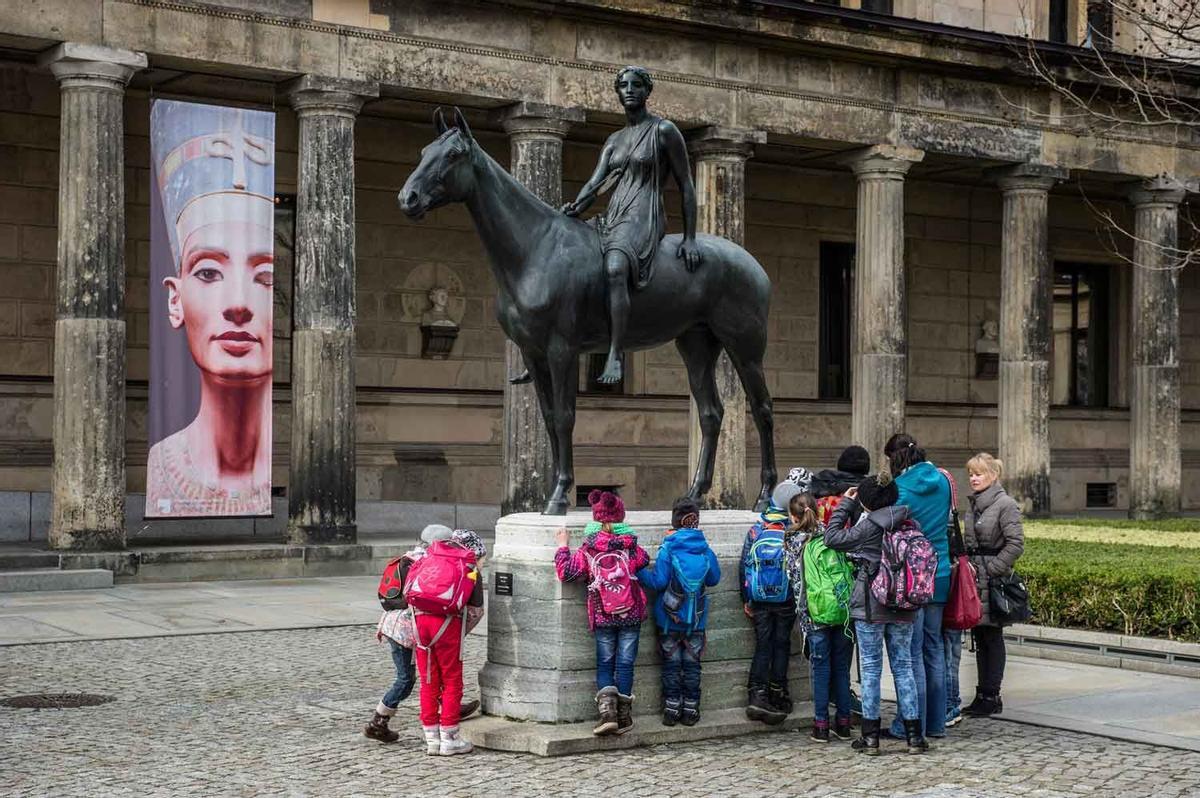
(841, 728)
(953, 718)
(433, 740)
(452, 743)
(820, 732)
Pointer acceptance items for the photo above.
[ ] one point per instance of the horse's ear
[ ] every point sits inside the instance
(461, 123)
(439, 121)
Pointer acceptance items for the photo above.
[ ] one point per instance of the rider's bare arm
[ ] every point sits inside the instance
(677, 159)
(587, 194)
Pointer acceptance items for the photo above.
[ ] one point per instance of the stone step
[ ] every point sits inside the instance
(53, 579)
(24, 560)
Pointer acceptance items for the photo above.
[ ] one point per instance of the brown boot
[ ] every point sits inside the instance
(624, 713)
(606, 704)
(378, 729)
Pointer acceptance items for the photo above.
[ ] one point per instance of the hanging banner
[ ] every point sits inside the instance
(211, 277)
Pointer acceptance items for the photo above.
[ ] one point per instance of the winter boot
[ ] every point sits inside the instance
(433, 739)
(841, 728)
(468, 708)
(868, 743)
(917, 744)
(760, 708)
(983, 706)
(671, 709)
(780, 699)
(624, 713)
(606, 705)
(453, 744)
(691, 712)
(378, 729)
(820, 731)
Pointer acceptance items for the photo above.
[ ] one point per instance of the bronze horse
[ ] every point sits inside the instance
(552, 304)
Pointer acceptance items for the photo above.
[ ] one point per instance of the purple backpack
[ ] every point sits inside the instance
(907, 567)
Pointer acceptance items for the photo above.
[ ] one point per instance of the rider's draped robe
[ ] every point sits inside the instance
(635, 221)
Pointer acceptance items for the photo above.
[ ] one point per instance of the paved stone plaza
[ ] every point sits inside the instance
(280, 713)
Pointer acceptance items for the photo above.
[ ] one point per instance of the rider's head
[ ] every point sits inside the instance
(640, 72)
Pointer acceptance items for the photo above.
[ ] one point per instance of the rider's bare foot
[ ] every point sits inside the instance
(612, 372)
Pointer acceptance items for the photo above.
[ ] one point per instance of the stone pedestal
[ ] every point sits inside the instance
(720, 155)
(1154, 453)
(321, 489)
(1027, 287)
(89, 332)
(536, 133)
(541, 663)
(880, 337)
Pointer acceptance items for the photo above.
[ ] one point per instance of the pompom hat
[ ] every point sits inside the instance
(607, 507)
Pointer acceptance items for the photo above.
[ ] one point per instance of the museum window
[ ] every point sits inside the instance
(878, 6)
(1080, 329)
(1058, 21)
(836, 307)
(1099, 25)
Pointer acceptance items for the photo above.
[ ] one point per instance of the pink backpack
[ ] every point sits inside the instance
(441, 582)
(613, 581)
(907, 567)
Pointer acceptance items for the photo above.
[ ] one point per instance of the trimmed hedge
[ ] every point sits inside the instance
(1148, 591)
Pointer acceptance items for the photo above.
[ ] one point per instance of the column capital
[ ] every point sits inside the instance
(317, 95)
(883, 160)
(92, 65)
(537, 120)
(1162, 191)
(715, 141)
(1027, 176)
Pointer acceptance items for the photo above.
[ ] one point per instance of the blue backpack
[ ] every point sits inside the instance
(766, 571)
(684, 599)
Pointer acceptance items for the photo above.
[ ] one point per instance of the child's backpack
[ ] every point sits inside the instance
(825, 507)
(612, 580)
(684, 599)
(441, 582)
(391, 585)
(907, 567)
(828, 580)
(766, 571)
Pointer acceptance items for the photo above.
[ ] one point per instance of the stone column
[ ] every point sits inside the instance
(720, 155)
(536, 135)
(321, 489)
(1026, 294)
(88, 505)
(1154, 453)
(880, 367)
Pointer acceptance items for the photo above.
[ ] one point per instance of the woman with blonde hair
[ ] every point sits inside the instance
(994, 541)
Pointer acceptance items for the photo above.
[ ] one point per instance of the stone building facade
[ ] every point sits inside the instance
(927, 216)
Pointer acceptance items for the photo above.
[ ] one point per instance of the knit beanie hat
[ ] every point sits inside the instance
(801, 477)
(436, 532)
(685, 514)
(783, 493)
(607, 507)
(855, 460)
(469, 540)
(877, 492)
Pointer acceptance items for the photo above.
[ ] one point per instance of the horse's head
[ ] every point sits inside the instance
(444, 174)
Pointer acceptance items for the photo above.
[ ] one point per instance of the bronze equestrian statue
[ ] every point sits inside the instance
(555, 274)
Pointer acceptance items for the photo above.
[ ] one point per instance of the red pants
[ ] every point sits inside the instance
(441, 671)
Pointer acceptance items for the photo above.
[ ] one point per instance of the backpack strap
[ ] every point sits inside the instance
(427, 646)
(953, 488)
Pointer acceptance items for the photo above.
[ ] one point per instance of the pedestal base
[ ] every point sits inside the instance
(541, 663)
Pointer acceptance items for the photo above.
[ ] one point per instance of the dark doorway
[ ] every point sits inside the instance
(836, 306)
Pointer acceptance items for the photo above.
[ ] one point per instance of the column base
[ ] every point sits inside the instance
(87, 539)
(307, 535)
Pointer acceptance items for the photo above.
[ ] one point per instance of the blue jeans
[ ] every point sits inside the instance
(929, 671)
(616, 649)
(406, 675)
(871, 639)
(681, 664)
(952, 645)
(829, 653)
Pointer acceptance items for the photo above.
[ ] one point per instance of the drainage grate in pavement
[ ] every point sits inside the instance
(55, 700)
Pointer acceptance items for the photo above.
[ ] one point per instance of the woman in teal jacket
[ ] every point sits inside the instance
(681, 634)
(926, 493)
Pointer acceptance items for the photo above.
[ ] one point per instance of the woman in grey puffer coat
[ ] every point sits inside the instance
(994, 541)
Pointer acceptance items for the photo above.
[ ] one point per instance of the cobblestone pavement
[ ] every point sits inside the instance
(281, 713)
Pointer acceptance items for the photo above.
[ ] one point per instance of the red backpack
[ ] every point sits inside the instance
(391, 584)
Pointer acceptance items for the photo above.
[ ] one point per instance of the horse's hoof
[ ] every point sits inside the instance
(555, 507)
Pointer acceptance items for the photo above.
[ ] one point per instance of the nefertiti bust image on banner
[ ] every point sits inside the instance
(211, 277)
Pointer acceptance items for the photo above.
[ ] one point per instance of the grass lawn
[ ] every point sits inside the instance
(1176, 532)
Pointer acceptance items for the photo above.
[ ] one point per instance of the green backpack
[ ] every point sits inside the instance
(828, 580)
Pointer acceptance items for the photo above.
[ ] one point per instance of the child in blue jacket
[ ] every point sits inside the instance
(685, 566)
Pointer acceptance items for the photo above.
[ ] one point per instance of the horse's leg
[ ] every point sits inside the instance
(539, 372)
(750, 370)
(564, 381)
(700, 350)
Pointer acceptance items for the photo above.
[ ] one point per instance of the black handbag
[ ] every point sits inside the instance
(1008, 599)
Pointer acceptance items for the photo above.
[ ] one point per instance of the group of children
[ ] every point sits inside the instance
(834, 554)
